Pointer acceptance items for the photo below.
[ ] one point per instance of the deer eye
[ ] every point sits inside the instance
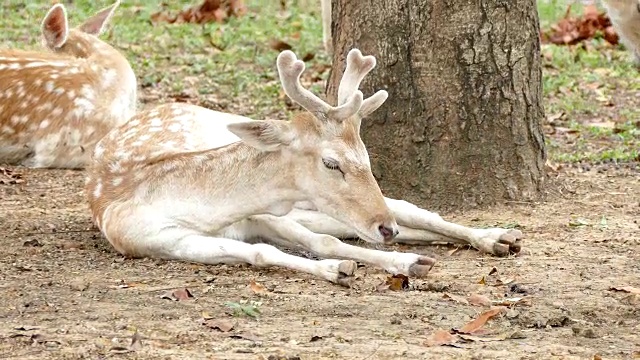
(331, 164)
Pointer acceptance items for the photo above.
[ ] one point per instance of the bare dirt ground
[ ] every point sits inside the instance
(68, 295)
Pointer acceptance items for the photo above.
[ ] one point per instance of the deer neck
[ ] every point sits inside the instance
(239, 181)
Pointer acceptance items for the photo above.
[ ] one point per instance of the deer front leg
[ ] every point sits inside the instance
(209, 250)
(286, 231)
(496, 241)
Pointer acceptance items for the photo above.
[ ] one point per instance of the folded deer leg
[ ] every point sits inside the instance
(285, 231)
(495, 241)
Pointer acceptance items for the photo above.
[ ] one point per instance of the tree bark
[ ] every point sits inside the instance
(461, 126)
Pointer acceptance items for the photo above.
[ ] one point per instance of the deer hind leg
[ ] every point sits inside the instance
(289, 231)
(496, 241)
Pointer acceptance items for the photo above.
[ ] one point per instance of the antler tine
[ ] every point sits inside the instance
(290, 69)
(357, 68)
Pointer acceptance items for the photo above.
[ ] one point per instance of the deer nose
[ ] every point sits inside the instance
(388, 232)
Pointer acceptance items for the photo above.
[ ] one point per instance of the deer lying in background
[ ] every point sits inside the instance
(625, 17)
(56, 105)
(187, 183)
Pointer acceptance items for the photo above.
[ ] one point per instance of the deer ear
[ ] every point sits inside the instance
(98, 22)
(55, 27)
(264, 135)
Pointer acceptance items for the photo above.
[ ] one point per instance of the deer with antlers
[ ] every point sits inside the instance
(187, 183)
(55, 105)
(625, 17)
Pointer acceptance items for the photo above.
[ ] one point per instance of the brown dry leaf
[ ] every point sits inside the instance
(208, 11)
(456, 298)
(475, 324)
(218, 324)
(308, 56)
(441, 337)
(397, 282)
(257, 288)
(279, 45)
(493, 271)
(479, 300)
(177, 295)
(572, 30)
(482, 281)
(627, 289)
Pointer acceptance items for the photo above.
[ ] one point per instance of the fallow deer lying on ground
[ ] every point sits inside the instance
(187, 183)
(56, 105)
(625, 17)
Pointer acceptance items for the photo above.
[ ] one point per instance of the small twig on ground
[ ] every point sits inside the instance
(373, 353)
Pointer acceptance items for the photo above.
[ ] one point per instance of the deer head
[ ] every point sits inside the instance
(329, 161)
(80, 41)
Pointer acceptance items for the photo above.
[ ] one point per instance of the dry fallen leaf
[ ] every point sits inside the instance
(479, 300)
(218, 324)
(308, 56)
(477, 323)
(572, 30)
(441, 337)
(493, 271)
(482, 281)
(397, 282)
(257, 288)
(279, 45)
(456, 298)
(627, 289)
(208, 11)
(177, 295)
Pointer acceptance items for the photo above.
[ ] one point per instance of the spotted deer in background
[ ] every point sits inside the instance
(187, 183)
(55, 105)
(625, 17)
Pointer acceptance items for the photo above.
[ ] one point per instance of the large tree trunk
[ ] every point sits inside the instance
(461, 125)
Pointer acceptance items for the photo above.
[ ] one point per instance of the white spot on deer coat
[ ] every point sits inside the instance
(97, 191)
(49, 86)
